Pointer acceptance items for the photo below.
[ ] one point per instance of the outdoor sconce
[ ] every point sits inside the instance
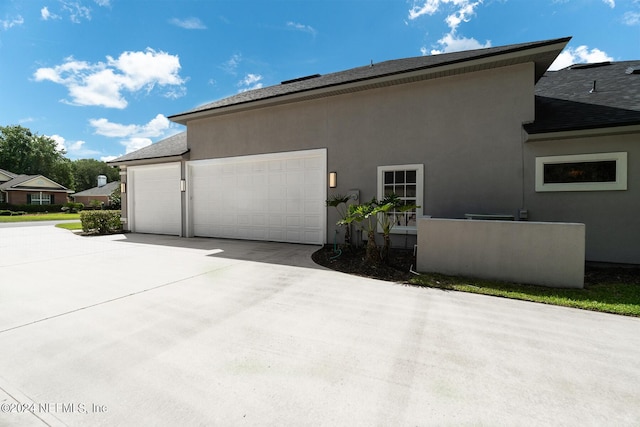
(333, 179)
(123, 187)
(183, 185)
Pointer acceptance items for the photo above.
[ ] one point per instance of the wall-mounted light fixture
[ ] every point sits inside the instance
(123, 187)
(333, 179)
(183, 185)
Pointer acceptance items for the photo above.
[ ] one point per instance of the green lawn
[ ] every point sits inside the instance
(70, 225)
(609, 293)
(40, 217)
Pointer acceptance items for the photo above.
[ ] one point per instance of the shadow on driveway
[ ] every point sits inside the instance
(296, 255)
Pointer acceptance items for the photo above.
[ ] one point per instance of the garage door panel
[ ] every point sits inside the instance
(276, 197)
(155, 205)
(312, 221)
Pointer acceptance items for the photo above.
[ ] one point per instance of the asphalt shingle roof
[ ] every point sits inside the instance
(105, 190)
(377, 70)
(565, 99)
(175, 145)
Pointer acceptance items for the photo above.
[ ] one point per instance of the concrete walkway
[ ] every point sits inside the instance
(138, 330)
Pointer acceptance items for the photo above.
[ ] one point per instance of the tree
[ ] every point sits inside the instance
(86, 171)
(24, 152)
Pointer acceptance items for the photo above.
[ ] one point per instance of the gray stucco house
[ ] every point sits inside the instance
(487, 131)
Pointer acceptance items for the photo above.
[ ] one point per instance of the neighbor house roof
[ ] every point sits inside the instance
(172, 146)
(7, 174)
(587, 96)
(541, 53)
(19, 183)
(105, 190)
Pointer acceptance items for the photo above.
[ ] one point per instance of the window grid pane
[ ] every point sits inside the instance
(403, 184)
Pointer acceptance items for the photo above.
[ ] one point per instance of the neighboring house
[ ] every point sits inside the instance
(100, 194)
(486, 131)
(31, 190)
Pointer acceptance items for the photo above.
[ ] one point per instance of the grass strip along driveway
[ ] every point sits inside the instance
(40, 217)
(606, 290)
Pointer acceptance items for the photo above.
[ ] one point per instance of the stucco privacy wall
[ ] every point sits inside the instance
(612, 217)
(465, 129)
(549, 254)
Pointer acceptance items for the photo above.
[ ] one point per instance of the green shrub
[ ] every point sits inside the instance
(33, 208)
(101, 222)
(5, 213)
(72, 207)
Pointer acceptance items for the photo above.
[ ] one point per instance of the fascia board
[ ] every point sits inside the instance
(148, 161)
(579, 133)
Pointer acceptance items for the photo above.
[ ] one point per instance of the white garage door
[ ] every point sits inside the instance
(277, 197)
(154, 199)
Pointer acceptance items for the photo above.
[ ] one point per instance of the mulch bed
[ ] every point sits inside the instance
(352, 261)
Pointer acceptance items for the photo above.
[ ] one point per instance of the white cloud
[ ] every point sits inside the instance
(250, 82)
(429, 7)
(458, 12)
(156, 127)
(189, 23)
(108, 158)
(581, 54)
(232, 64)
(103, 3)
(60, 146)
(610, 3)
(46, 15)
(133, 144)
(72, 148)
(77, 12)
(132, 136)
(462, 8)
(301, 27)
(10, 23)
(631, 18)
(463, 14)
(451, 43)
(104, 83)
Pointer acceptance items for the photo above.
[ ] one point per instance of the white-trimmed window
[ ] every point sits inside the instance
(582, 172)
(407, 182)
(40, 199)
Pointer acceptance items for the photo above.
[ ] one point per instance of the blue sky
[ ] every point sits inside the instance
(101, 76)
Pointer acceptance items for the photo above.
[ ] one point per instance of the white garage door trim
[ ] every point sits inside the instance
(274, 197)
(154, 199)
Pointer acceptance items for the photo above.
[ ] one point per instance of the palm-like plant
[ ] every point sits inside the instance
(368, 216)
(337, 201)
(365, 216)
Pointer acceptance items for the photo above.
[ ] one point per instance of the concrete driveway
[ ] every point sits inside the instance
(138, 330)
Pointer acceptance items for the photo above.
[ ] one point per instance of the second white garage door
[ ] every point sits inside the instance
(154, 199)
(277, 197)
